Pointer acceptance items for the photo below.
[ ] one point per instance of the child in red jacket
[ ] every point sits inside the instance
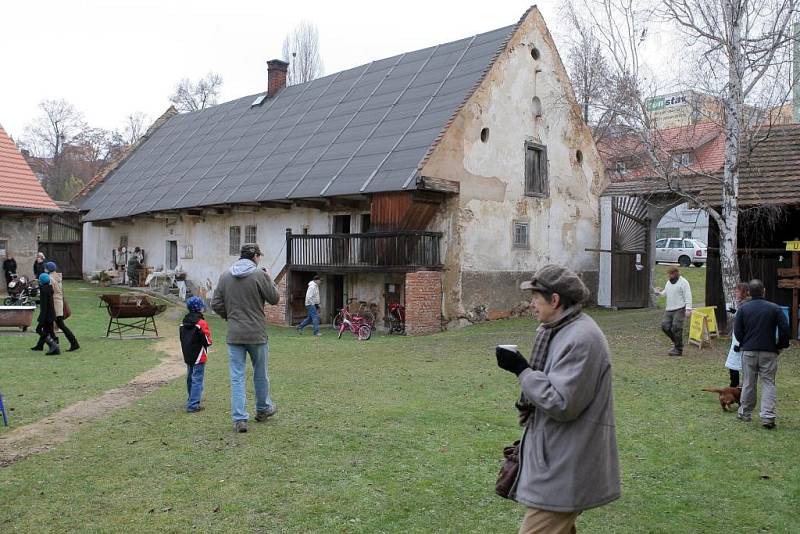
(195, 339)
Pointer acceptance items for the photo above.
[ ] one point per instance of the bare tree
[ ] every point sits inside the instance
(50, 139)
(135, 127)
(745, 41)
(586, 66)
(193, 96)
(301, 51)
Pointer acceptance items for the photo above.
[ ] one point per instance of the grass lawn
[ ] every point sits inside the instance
(35, 385)
(402, 434)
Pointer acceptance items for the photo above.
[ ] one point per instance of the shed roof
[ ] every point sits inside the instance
(362, 130)
(769, 174)
(19, 188)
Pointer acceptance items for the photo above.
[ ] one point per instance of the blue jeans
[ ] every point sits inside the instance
(237, 365)
(195, 377)
(313, 317)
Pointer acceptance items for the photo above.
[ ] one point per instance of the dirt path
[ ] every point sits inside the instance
(54, 429)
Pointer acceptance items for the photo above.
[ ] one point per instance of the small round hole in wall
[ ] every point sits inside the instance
(535, 53)
(485, 135)
(579, 156)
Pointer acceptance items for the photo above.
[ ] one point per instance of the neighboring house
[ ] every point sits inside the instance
(684, 221)
(22, 201)
(769, 202)
(439, 178)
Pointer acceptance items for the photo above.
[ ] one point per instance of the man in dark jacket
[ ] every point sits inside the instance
(47, 315)
(757, 322)
(568, 459)
(9, 268)
(239, 298)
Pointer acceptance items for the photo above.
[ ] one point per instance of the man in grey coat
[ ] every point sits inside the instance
(239, 298)
(568, 451)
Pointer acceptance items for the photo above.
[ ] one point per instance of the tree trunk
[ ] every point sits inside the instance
(733, 102)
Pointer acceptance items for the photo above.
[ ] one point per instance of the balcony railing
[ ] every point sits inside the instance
(374, 251)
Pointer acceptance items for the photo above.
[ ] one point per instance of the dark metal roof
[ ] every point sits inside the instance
(362, 130)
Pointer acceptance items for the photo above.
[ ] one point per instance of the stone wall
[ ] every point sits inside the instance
(21, 235)
(423, 292)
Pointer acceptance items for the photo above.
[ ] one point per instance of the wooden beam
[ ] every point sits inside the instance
(426, 183)
(103, 224)
(316, 204)
(275, 204)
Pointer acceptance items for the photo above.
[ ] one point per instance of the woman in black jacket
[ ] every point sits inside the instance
(47, 315)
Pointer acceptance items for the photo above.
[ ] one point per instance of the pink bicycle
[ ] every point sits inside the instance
(355, 324)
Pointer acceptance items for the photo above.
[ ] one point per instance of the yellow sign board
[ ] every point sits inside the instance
(698, 329)
(793, 246)
(711, 317)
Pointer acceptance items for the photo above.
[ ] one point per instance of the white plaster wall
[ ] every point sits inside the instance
(492, 182)
(492, 173)
(208, 236)
(604, 289)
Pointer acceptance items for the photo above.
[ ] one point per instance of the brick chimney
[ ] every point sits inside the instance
(276, 76)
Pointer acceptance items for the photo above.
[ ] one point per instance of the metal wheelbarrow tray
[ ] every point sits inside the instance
(131, 312)
(17, 316)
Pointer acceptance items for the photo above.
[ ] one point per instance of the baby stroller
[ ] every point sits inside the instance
(397, 319)
(21, 291)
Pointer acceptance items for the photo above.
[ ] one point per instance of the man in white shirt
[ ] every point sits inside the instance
(679, 306)
(312, 306)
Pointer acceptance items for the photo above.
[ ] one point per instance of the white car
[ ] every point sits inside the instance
(682, 251)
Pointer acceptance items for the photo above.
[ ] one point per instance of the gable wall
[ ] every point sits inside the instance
(483, 269)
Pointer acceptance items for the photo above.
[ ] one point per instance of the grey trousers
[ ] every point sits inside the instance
(759, 364)
(672, 325)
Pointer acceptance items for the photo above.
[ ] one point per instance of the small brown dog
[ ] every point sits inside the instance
(727, 396)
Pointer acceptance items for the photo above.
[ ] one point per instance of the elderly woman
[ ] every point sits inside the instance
(47, 316)
(38, 264)
(58, 303)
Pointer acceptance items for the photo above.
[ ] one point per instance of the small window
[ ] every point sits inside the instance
(259, 100)
(251, 234)
(687, 233)
(235, 243)
(536, 184)
(123, 240)
(484, 135)
(535, 53)
(620, 167)
(579, 156)
(520, 235)
(682, 160)
(3, 247)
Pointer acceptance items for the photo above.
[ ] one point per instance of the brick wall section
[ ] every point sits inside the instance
(423, 292)
(277, 314)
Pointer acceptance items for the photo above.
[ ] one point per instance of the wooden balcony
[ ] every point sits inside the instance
(370, 252)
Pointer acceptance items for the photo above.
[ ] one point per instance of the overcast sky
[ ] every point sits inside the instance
(110, 58)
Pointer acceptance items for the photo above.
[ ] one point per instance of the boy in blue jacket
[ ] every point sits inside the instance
(195, 337)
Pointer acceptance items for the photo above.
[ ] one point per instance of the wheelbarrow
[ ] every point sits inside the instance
(131, 312)
(17, 316)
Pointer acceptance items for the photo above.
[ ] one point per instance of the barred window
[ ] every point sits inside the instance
(251, 234)
(536, 170)
(235, 240)
(520, 235)
(123, 240)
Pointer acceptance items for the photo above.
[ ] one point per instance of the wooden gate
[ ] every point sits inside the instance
(630, 280)
(60, 238)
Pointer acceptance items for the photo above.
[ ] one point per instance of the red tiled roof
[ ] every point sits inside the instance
(19, 188)
(704, 141)
(768, 175)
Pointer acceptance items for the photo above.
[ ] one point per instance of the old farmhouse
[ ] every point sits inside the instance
(22, 201)
(439, 178)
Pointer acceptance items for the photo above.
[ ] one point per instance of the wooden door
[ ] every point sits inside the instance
(300, 280)
(68, 257)
(630, 273)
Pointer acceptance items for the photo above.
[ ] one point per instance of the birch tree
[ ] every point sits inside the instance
(744, 45)
(301, 50)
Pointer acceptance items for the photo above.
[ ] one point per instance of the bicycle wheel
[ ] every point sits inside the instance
(337, 321)
(369, 317)
(364, 332)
